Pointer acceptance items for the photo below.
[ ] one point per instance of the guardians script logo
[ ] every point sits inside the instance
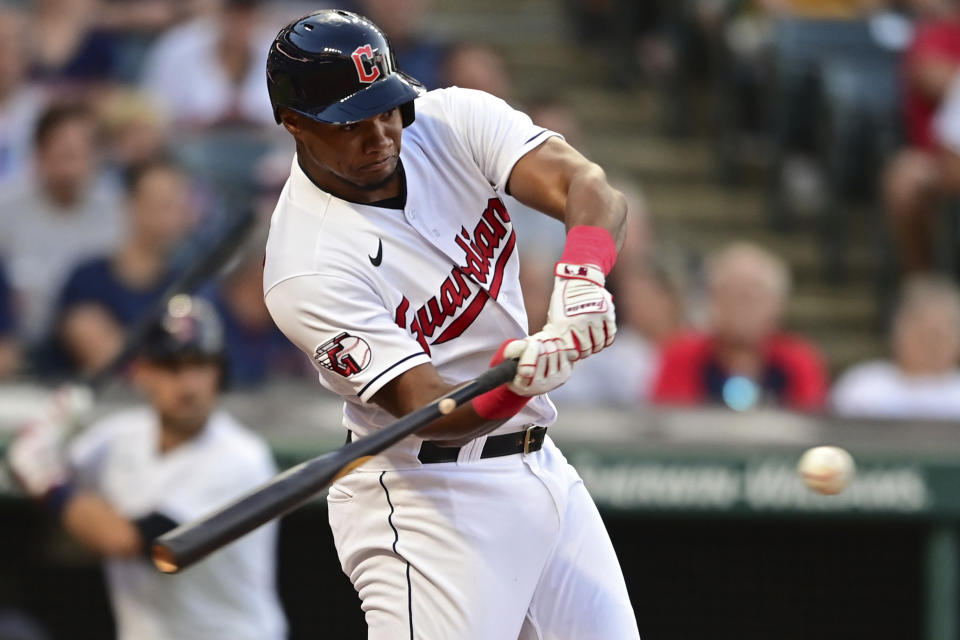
(479, 248)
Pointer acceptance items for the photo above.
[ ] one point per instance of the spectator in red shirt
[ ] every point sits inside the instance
(913, 184)
(744, 358)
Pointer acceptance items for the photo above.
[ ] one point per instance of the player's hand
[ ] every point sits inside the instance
(581, 309)
(35, 455)
(545, 362)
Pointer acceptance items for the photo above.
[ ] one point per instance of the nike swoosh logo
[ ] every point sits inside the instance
(376, 261)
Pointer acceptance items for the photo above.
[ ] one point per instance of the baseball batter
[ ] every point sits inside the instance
(139, 472)
(395, 267)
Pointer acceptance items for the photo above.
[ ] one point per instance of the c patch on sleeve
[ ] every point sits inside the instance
(345, 354)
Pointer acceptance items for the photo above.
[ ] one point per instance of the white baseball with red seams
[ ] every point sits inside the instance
(826, 470)
(480, 548)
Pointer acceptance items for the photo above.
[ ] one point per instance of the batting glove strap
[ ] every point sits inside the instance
(500, 403)
(590, 245)
(585, 272)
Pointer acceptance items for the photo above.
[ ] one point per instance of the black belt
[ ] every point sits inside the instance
(526, 441)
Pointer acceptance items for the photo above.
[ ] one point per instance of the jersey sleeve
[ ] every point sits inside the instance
(496, 135)
(351, 337)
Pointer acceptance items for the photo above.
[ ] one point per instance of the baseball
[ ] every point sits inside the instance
(826, 470)
(447, 405)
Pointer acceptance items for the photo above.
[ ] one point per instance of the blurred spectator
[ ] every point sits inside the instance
(134, 130)
(417, 53)
(106, 295)
(209, 71)
(744, 358)
(9, 349)
(551, 112)
(60, 217)
(147, 16)
(68, 49)
(256, 348)
(913, 183)
(20, 102)
(475, 65)
(947, 132)
(923, 379)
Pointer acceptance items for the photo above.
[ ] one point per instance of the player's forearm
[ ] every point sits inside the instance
(591, 201)
(95, 524)
(419, 387)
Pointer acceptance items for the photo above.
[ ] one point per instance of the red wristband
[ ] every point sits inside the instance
(500, 403)
(590, 245)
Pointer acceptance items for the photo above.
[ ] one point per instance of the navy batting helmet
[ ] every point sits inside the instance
(337, 67)
(190, 329)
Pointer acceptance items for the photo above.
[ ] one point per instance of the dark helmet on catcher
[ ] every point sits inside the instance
(337, 67)
(189, 330)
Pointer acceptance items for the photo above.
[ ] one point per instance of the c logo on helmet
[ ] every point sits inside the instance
(363, 60)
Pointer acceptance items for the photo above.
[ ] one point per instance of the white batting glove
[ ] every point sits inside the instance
(36, 455)
(544, 363)
(581, 309)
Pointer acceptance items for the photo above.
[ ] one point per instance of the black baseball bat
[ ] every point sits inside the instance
(210, 259)
(190, 542)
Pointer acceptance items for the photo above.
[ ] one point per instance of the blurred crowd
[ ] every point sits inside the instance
(132, 131)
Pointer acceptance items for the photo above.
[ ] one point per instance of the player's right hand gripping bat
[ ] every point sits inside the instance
(188, 543)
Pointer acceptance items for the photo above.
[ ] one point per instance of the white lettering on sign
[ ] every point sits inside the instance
(769, 485)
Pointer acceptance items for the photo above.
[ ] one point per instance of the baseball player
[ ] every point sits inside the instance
(395, 267)
(138, 473)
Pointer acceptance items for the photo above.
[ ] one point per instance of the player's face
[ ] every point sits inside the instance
(357, 161)
(182, 392)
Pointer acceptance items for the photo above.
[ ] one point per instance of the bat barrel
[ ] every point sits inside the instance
(188, 543)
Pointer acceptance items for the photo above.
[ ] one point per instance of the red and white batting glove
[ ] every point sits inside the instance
(36, 454)
(581, 309)
(544, 362)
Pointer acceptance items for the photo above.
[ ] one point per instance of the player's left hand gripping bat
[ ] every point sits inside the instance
(190, 542)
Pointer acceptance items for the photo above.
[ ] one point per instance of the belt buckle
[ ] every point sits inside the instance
(527, 435)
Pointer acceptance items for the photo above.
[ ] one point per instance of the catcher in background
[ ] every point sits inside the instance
(138, 473)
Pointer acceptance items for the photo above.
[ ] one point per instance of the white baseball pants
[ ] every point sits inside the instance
(495, 549)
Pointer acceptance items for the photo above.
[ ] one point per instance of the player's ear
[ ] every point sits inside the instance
(291, 121)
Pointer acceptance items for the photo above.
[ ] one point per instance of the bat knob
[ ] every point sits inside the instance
(163, 559)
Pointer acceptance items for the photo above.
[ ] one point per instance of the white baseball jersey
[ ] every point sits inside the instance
(231, 594)
(500, 547)
(371, 292)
